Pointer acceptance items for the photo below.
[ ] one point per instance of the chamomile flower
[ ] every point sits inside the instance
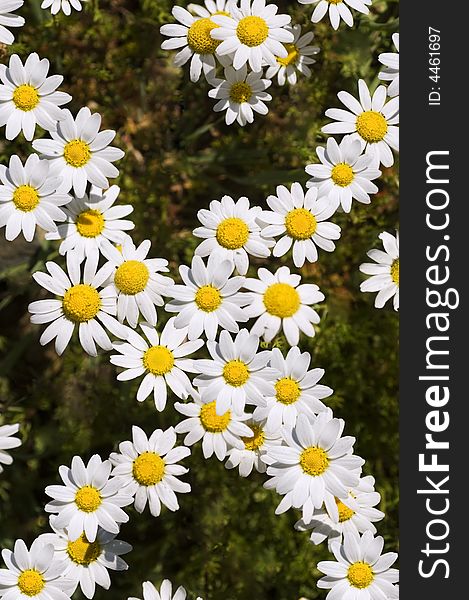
(211, 7)
(80, 153)
(371, 120)
(162, 361)
(391, 73)
(338, 9)
(361, 571)
(62, 5)
(384, 271)
(298, 60)
(354, 513)
(83, 303)
(29, 98)
(33, 573)
(165, 592)
(7, 19)
(29, 197)
(241, 94)
(93, 223)
(88, 499)
(7, 442)
(296, 390)
(301, 221)
(345, 173)
(252, 34)
(87, 563)
(147, 469)
(137, 281)
(279, 301)
(209, 298)
(237, 373)
(316, 463)
(219, 433)
(231, 232)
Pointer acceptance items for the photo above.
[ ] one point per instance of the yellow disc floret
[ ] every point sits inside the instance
(199, 39)
(360, 575)
(257, 440)
(81, 303)
(25, 97)
(77, 153)
(83, 552)
(158, 360)
(345, 513)
(90, 223)
(281, 300)
(293, 54)
(371, 126)
(342, 174)
(300, 224)
(395, 271)
(335, 1)
(235, 373)
(314, 461)
(212, 422)
(287, 390)
(88, 499)
(131, 277)
(208, 298)
(25, 198)
(240, 92)
(232, 233)
(31, 582)
(252, 31)
(148, 468)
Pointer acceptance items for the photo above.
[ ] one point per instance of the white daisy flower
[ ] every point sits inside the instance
(219, 433)
(165, 592)
(391, 73)
(345, 173)
(361, 571)
(87, 563)
(212, 7)
(147, 469)
(79, 152)
(252, 34)
(29, 98)
(355, 514)
(384, 271)
(7, 442)
(162, 360)
(7, 19)
(316, 464)
(88, 499)
(29, 197)
(237, 373)
(301, 221)
(82, 303)
(296, 390)
(241, 94)
(33, 573)
(338, 9)
(280, 302)
(93, 223)
(297, 60)
(231, 232)
(371, 120)
(137, 281)
(62, 5)
(208, 299)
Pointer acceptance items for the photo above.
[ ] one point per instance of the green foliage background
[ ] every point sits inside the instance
(225, 543)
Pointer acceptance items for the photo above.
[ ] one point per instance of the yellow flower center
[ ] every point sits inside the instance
(77, 153)
(235, 373)
(314, 461)
(281, 300)
(300, 224)
(88, 499)
(345, 513)
(257, 440)
(199, 39)
(90, 223)
(25, 198)
(208, 298)
(240, 92)
(81, 303)
(342, 174)
(287, 391)
(232, 233)
(31, 582)
(293, 54)
(83, 552)
(360, 575)
(222, 12)
(131, 277)
(335, 1)
(25, 97)
(212, 422)
(371, 126)
(148, 468)
(252, 31)
(395, 271)
(158, 360)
